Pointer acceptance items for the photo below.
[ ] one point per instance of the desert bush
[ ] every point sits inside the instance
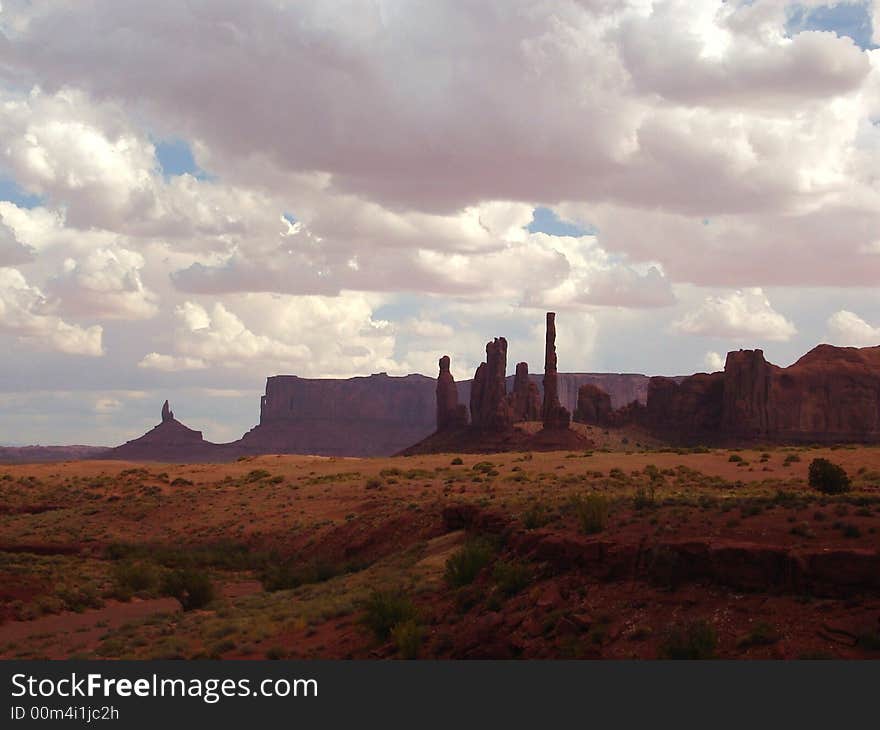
(693, 640)
(535, 516)
(192, 588)
(383, 610)
(763, 634)
(735, 458)
(285, 574)
(592, 512)
(485, 467)
(132, 577)
(645, 498)
(828, 477)
(465, 564)
(407, 637)
(457, 461)
(511, 577)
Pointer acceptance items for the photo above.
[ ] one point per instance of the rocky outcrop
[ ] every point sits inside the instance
(687, 410)
(375, 415)
(554, 415)
(490, 409)
(450, 413)
(593, 406)
(171, 441)
(830, 395)
(747, 378)
(525, 400)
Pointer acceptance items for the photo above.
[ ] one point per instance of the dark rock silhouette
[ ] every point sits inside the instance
(171, 441)
(593, 406)
(450, 413)
(830, 395)
(525, 400)
(554, 414)
(494, 411)
(490, 409)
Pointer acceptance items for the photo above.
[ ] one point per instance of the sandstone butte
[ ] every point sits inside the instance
(830, 395)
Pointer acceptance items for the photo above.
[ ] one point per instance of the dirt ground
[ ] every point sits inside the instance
(627, 551)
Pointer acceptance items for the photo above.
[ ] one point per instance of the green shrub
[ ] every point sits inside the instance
(735, 458)
(763, 634)
(192, 588)
(383, 610)
(693, 640)
(592, 512)
(456, 461)
(407, 637)
(465, 564)
(284, 575)
(535, 516)
(134, 577)
(828, 477)
(511, 577)
(645, 498)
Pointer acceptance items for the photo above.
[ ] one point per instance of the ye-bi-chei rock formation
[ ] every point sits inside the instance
(555, 415)
(494, 412)
(830, 395)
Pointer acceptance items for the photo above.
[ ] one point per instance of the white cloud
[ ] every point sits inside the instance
(11, 251)
(847, 328)
(713, 361)
(106, 283)
(25, 313)
(741, 315)
(169, 363)
(104, 406)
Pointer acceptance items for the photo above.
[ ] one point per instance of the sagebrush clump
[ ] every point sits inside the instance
(828, 477)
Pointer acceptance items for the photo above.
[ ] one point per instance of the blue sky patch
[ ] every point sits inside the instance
(545, 220)
(11, 191)
(848, 18)
(176, 158)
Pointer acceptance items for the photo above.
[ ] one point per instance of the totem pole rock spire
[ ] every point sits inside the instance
(553, 413)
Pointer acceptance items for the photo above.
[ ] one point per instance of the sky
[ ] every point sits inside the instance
(195, 196)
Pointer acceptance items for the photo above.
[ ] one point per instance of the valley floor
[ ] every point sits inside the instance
(589, 554)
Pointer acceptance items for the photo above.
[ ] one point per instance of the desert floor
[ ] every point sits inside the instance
(600, 554)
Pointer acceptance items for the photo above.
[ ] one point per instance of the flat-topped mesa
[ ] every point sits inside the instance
(552, 412)
(746, 393)
(525, 400)
(450, 413)
(593, 406)
(490, 409)
(167, 413)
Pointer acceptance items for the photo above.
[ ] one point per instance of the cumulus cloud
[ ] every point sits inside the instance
(847, 328)
(713, 361)
(393, 176)
(740, 315)
(11, 251)
(106, 283)
(169, 363)
(735, 54)
(26, 314)
(311, 336)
